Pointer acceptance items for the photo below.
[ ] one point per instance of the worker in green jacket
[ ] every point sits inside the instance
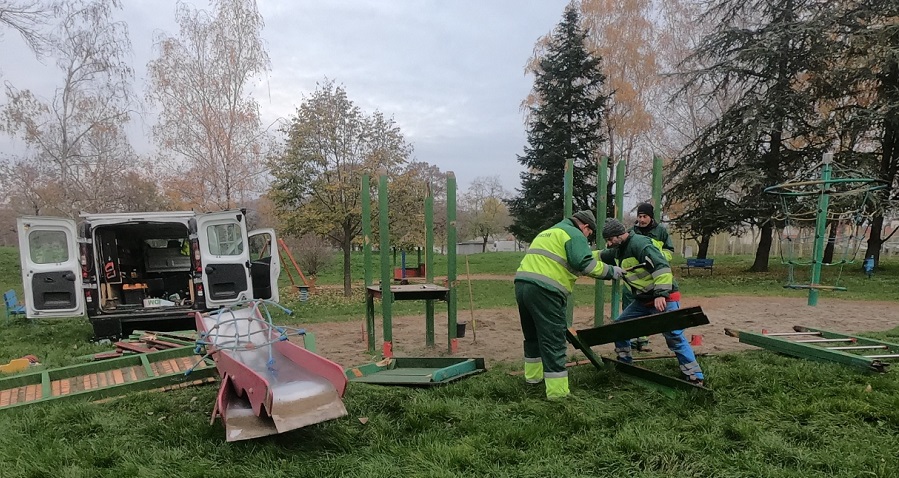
(543, 282)
(646, 225)
(654, 290)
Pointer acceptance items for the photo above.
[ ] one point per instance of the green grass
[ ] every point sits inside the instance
(773, 416)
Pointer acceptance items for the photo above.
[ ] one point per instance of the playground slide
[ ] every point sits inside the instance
(269, 385)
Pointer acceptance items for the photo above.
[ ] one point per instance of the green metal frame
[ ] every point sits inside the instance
(45, 378)
(624, 330)
(639, 375)
(810, 351)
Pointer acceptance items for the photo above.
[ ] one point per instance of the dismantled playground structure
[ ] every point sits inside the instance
(269, 383)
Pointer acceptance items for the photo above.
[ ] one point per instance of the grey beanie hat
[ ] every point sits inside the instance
(613, 228)
(587, 218)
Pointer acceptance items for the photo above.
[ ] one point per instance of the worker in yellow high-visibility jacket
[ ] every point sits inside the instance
(543, 282)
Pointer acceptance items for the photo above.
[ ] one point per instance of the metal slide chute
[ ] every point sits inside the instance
(269, 384)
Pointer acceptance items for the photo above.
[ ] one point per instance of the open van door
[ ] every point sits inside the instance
(225, 256)
(51, 268)
(265, 264)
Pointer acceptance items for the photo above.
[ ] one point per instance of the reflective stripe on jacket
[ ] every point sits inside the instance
(557, 256)
(647, 283)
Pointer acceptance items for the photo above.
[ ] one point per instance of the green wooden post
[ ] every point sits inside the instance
(620, 170)
(657, 187)
(820, 225)
(384, 232)
(366, 226)
(366, 252)
(569, 195)
(451, 258)
(429, 264)
(602, 208)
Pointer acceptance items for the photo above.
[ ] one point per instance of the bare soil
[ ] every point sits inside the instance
(496, 334)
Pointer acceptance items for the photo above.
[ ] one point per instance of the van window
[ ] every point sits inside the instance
(48, 247)
(225, 239)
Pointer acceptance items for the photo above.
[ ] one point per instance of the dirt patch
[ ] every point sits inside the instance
(499, 333)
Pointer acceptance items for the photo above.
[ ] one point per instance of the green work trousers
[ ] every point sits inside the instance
(543, 323)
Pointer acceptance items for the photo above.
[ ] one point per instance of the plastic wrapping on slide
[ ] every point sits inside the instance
(269, 384)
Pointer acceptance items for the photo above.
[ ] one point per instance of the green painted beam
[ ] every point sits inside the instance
(649, 325)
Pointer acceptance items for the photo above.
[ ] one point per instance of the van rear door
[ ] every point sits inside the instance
(266, 264)
(51, 268)
(225, 255)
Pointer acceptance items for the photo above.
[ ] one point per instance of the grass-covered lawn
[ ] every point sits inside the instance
(773, 416)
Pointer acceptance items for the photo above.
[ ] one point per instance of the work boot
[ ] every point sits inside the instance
(695, 381)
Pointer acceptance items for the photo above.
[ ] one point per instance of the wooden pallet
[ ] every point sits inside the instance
(104, 379)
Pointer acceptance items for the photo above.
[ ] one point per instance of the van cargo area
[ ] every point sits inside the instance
(144, 273)
(144, 270)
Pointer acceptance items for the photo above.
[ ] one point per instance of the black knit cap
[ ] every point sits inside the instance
(587, 218)
(613, 228)
(645, 208)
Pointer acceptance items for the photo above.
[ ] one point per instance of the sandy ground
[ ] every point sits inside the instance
(499, 334)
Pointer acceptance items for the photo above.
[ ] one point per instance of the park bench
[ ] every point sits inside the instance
(699, 264)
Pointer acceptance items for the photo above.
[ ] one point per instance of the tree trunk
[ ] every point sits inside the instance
(830, 245)
(484, 245)
(347, 245)
(764, 249)
(703, 251)
(875, 239)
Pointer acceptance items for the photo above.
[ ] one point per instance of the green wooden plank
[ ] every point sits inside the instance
(657, 381)
(807, 351)
(409, 371)
(309, 341)
(46, 391)
(643, 326)
(381, 378)
(147, 367)
(447, 373)
(363, 370)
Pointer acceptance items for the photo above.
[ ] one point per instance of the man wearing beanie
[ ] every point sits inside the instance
(543, 282)
(646, 225)
(653, 288)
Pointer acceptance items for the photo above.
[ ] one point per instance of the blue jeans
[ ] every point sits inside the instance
(675, 340)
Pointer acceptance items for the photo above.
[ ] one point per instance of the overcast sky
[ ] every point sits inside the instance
(449, 72)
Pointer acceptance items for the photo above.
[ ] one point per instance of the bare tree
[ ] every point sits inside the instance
(78, 151)
(209, 123)
(27, 17)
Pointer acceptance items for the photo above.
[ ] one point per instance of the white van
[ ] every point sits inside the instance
(146, 270)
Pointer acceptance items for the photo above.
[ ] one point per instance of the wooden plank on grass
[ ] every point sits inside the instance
(642, 326)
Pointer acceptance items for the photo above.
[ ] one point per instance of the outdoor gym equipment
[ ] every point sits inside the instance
(848, 224)
(428, 292)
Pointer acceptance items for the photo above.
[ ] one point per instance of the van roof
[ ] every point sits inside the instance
(139, 216)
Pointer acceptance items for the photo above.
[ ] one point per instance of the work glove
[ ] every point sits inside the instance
(617, 272)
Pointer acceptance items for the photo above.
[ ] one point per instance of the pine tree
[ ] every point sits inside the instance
(565, 123)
